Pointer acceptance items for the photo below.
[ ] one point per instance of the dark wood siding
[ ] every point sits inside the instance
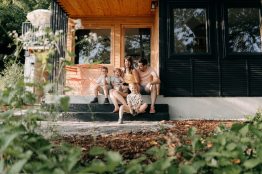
(234, 79)
(255, 77)
(213, 74)
(206, 78)
(178, 78)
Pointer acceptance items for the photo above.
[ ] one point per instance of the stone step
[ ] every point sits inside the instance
(103, 112)
(100, 107)
(107, 108)
(88, 99)
(107, 116)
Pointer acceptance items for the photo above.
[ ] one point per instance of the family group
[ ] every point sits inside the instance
(126, 86)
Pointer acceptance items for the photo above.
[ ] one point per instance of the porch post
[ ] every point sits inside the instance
(59, 20)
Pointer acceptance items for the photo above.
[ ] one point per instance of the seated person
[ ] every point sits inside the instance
(130, 75)
(149, 81)
(102, 85)
(135, 104)
(117, 79)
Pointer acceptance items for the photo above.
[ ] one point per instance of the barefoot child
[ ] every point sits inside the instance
(135, 104)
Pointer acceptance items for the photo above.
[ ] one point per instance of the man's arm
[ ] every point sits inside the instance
(156, 79)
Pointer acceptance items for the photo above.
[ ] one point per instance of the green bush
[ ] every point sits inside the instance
(234, 150)
(22, 150)
(12, 73)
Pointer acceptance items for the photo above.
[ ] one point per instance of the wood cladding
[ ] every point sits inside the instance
(104, 8)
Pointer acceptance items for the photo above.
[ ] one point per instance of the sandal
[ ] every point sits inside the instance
(152, 110)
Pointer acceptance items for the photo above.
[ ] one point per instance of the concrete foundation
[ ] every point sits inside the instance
(209, 108)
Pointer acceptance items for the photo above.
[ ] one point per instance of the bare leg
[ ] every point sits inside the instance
(153, 96)
(96, 88)
(113, 98)
(142, 108)
(122, 109)
(120, 97)
(105, 88)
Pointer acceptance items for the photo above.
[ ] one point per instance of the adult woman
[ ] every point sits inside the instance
(130, 75)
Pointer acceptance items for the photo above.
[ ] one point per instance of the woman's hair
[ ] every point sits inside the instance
(130, 60)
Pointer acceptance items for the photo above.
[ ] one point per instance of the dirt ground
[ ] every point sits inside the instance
(133, 144)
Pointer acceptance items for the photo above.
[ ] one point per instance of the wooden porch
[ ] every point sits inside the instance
(117, 16)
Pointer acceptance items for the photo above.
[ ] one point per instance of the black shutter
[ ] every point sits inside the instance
(206, 78)
(255, 77)
(178, 78)
(234, 77)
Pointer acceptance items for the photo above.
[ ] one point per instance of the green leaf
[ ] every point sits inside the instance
(97, 151)
(199, 164)
(58, 171)
(244, 130)
(213, 163)
(236, 127)
(249, 164)
(64, 103)
(2, 163)
(187, 169)
(192, 132)
(114, 157)
(7, 140)
(231, 146)
(137, 168)
(97, 166)
(72, 160)
(173, 169)
(17, 167)
(7, 113)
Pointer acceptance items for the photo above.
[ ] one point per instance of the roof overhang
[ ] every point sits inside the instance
(106, 8)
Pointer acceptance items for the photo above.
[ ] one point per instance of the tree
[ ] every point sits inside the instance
(12, 15)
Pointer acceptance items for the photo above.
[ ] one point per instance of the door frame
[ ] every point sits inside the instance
(122, 44)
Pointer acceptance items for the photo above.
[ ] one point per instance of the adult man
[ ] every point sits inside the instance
(148, 81)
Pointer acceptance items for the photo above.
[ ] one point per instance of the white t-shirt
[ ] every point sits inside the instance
(116, 80)
(101, 79)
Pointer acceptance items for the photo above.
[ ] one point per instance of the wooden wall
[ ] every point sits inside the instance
(117, 26)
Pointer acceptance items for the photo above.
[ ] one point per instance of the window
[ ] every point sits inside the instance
(93, 46)
(244, 30)
(137, 43)
(190, 30)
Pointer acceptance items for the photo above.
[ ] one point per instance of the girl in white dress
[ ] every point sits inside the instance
(135, 103)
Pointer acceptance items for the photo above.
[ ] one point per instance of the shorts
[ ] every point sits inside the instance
(143, 90)
(125, 88)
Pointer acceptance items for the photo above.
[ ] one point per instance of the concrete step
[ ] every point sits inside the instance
(103, 112)
(87, 99)
(107, 116)
(107, 108)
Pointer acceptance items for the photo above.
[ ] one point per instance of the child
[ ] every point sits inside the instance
(135, 104)
(117, 80)
(102, 85)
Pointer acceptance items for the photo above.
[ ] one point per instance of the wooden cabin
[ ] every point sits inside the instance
(208, 53)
